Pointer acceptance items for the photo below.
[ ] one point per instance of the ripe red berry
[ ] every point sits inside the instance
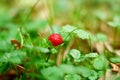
(55, 39)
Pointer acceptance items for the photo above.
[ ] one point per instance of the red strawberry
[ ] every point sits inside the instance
(55, 39)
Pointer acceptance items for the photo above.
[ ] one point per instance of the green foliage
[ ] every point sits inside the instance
(82, 34)
(72, 77)
(101, 37)
(100, 63)
(115, 23)
(115, 59)
(69, 28)
(14, 57)
(91, 55)
(52, 73)
(75, 53)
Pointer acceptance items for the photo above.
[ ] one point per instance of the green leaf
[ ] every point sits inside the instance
(54, 51)
(100, 73)
(75, 53)
(101, 15)
(69, 28)
(13, 57)
(113, 24)
(100, 62)
(93, 75)
(72, 77)
(91, 55)
(101, 37)
(67, 69)
(52, 73)
(86, 72)
(82, 34)
(115, 60)
(44, 50)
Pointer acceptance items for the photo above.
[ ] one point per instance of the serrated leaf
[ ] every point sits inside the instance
(75, 53)
(82, 34)
(91, 55)
(72, 77)
(69, 28)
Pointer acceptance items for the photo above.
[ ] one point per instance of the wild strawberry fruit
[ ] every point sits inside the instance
(55, 39)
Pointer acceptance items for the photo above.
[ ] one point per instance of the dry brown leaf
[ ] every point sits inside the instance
(115, 68)
(117, 52)
(100, 47)
(109, 75)
(108, 47)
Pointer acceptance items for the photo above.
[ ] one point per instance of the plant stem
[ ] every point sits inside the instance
(69, 34)
(21, 37)
(91, 49)
(21, 26)
(48, 57)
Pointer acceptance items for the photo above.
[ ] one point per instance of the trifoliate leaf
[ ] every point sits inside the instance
(75, 53)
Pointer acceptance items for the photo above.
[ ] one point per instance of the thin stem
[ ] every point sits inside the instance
(21, 26)
(69, 34)
(30, 39)
(21, 37)
(91, 49)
